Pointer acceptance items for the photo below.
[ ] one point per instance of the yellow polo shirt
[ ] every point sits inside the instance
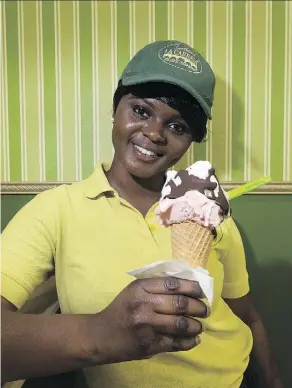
(93, 238)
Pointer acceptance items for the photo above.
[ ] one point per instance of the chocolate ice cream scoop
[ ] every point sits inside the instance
(200, 177)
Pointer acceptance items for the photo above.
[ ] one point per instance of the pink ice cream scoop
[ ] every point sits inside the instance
(193, 194)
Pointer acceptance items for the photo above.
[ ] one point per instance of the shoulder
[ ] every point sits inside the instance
(50, 202)
(69, 191)
(227, 235)
(59, 201)
(49, 199)
(228, 227)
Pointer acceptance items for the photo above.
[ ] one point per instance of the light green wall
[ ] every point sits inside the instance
(62, 60)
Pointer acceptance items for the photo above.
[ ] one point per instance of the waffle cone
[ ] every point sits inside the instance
(191, 242)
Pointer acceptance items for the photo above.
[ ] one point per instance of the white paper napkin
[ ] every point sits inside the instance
(178, 269)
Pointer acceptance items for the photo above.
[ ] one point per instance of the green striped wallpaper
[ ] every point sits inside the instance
(61, 60)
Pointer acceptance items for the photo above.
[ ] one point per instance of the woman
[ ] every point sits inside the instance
(94, 231)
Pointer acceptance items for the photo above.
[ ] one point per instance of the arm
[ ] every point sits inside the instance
(148, 317)
(236, 294)
(36, 345)
(245, 309)
(39, 345)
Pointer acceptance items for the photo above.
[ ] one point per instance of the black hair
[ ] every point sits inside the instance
(175, 97)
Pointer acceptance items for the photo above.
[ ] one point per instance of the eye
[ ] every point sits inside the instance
(178, 129)
(140, 112)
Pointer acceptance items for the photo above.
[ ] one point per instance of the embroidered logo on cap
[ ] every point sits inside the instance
(182, 57)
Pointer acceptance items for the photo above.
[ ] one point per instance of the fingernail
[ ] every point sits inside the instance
(198, 340)
(172, 283)
(208, 312)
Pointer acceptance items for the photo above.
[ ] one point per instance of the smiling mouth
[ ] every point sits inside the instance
(144, 151)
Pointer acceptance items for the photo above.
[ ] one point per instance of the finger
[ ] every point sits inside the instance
(176, 344)
(179, 305)
(172, 285)
(176, 325)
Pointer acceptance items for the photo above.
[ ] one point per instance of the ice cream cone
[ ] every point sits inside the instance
(191, 242)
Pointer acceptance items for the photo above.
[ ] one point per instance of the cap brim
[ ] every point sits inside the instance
(137, 79)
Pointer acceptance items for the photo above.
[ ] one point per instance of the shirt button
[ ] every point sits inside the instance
(152, 228)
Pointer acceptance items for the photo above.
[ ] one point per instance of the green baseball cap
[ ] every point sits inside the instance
(176, 63)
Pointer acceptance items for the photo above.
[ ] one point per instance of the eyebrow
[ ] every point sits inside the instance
(133, 97)
(175, 116)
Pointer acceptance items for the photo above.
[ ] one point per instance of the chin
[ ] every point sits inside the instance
(143, 170)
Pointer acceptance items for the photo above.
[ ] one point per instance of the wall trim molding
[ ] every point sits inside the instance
(38, 187)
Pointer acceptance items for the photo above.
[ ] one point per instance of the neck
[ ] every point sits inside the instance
(137, 191)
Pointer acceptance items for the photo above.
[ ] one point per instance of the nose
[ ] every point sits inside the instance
(155, 132)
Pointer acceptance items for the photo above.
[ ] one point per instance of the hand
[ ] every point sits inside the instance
(148, 317)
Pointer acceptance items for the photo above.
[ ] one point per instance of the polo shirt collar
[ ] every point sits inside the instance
(97, 182)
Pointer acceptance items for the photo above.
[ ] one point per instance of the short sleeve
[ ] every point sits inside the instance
(236, 283)
(28, 245)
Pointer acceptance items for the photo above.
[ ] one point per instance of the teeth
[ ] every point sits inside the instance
(144, 151)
